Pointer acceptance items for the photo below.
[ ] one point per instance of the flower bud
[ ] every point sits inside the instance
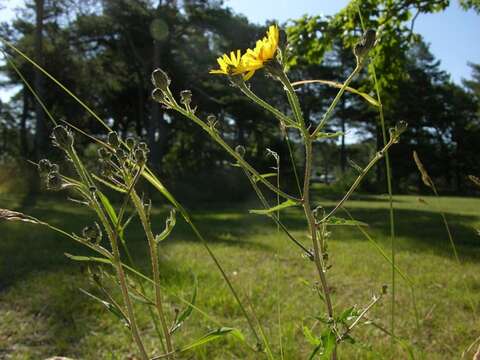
(54, 181)
(113, 139)
(121, 154)
(104, 154)
(44, 166)
(130, 142)
(140, 157)
(92, 233)
(160, 79)
(367, 42)
(143, 146)
(240, 150)
(158, 95)
(186, 97)
(63, 137)
(211, 120)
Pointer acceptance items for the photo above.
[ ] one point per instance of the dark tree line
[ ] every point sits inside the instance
(105, 51)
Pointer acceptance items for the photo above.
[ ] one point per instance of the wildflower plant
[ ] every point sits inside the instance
(123, 162)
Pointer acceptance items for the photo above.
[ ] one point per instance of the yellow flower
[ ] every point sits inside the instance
(264, 51)
(229, 65)
(252, 60)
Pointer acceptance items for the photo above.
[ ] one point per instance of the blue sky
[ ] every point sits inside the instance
(453, 34)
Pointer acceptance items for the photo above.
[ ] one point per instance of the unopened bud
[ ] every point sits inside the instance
(158, 95)
(140, 157)
(160, 79)
(63, 137)
(92, 233)
(104, 154)
(186, 97)
(54, 181)
(240, 150)
(113, 139)
(121, 154)
(211, 120)
(143, 146)
(44, 166)
(130, 142)
(367, 42)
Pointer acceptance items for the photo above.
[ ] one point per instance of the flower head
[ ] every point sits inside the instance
(229, 65)
(246, 64)
(264, 51)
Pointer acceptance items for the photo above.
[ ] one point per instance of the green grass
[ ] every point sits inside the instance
(43, 313)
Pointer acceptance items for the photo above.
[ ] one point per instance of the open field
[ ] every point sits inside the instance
(43, 313)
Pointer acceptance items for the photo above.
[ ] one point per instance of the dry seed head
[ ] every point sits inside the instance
(423, 172)
(158, 95)
(140, 157)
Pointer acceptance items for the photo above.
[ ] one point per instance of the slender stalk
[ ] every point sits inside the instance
(359, 179)
(328, 114)
(155, 266)
(278, 114)
(215, 136)
(116, 260)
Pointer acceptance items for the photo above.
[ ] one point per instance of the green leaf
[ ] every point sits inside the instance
(265, 176)
(88, 258)
(333, 220)
(185, 314)
(367, 97)
(285, 204)
(110, 307)
(328, 341)
(347, 314)
(108, 207)
(322, 135)
(312, 339)
(214, 335)
(169, 225)
(109, 184)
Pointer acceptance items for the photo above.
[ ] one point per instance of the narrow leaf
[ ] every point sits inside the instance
(265, 176)
(334, 84)
(323, 135)
(185, 314)
(285, 204)
(333, 220)
(214, 335)
(110, 307)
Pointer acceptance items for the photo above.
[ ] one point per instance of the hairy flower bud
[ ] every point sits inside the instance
(160, 79)
(240, 150)
(63, 137)
(121, 154)
(367, 42)
(44, 166)
(54, 181)
(113, 139)
(130, 142)
(186, 97)
(140, 157)
(93, 233)
(104, 154)
(158, 95)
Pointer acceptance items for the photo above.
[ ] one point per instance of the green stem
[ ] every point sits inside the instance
(155, 267)
(328, 114)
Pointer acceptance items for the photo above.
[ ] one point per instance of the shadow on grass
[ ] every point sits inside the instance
(27, 248)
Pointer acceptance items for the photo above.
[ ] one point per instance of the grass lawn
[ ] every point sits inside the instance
(42, 312)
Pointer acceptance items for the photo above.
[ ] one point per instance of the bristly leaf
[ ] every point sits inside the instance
(169, 225)
(110, 307)
(284, 205)
(367, 97)
(185, 314)
(323, 135)
(213, 335)
(264, 176)
(334, 220)
(108, 207)
(10, 215)
(312, 339)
